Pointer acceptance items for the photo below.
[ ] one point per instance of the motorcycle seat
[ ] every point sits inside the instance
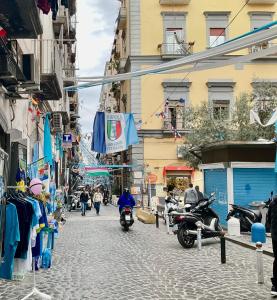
(257, 212)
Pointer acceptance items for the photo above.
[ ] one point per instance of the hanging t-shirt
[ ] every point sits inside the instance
(37, 250)
(25, 214)
(12, 237)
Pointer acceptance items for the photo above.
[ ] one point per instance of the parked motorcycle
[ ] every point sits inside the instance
(248, 216)
(74, 202)
(185, 225)
(171, 205)
(126, 217)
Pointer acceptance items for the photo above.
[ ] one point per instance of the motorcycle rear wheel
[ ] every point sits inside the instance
(186, 240)
(126, 228)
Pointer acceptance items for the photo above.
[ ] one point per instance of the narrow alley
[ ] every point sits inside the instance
(95, 259)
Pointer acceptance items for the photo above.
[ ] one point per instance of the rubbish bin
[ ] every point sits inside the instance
(258, 233)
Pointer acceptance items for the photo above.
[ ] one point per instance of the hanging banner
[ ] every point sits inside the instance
(115, 133)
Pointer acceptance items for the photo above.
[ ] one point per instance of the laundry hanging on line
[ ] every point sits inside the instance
(254, 117)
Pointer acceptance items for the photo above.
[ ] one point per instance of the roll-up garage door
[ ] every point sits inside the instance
(216, 181)
(253, 184)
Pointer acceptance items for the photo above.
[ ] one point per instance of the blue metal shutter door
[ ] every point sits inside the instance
(253, 184)
(215, 180)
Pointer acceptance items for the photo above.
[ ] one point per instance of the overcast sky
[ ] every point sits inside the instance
(95, 33)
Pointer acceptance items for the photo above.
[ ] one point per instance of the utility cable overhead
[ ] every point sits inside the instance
(195, 65)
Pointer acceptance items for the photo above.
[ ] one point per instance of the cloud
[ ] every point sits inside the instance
(95, 33)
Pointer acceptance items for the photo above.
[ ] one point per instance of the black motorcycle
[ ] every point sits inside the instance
(126, 217)
(106, 198)
(249, 216)
(201, 215)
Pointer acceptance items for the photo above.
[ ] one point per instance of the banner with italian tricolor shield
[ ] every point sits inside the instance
(115, 132)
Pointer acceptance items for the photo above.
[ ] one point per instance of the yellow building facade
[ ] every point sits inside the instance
(151, 32)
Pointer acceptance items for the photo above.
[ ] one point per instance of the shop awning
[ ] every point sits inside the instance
(177, 168)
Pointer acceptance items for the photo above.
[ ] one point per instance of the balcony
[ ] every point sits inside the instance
(174, 2)
(261, 2)
(173, 50)
(62, 21)
(51, 78)
(20, 18)
(70, 77)
(72, 7)
(10, 71)
(122, 18)
(122, 65)
(260, 47)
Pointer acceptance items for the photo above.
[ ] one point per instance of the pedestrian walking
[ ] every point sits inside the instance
(191, 196)
(97, 199)
(84, 201)
(199, 194)
(272, 220)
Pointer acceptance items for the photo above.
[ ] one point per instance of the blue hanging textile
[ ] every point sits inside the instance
(47, 146)
(98, 143)
(34, 167)
(275, 125)
(59, 146)
(130, 130)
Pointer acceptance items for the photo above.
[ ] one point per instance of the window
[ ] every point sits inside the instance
(173, 116)
(217, 23)
(221, 98)
(217, 36)
(258, 19)
(173, 39)
(176, 93)
(264, 93)
(221, 109)
(174, 32)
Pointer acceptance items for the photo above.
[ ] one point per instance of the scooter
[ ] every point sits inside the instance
(106, 199)
(126, 218)
(249, 216)
(74, 202)
(171, 205)
(202, 215)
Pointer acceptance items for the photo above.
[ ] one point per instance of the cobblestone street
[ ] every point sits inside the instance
(95, 259)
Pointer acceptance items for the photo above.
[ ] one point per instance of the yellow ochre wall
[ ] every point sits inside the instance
(152, 92)
(152, 20)
(160, 152)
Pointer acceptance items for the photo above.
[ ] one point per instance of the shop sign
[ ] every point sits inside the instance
(135, 190)
(67, 140)
(137, 175)
(152, 178)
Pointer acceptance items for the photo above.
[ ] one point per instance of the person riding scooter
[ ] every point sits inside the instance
(126, 199)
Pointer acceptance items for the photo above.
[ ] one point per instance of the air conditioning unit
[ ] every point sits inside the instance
(57, 122)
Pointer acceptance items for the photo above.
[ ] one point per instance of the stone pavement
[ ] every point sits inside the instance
(95, 259)
(245, 241)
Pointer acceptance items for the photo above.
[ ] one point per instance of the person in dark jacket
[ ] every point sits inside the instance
(272, 220)
(126, 199)
(84, 201)
(199, 194)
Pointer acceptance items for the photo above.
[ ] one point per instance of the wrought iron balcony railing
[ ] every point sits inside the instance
(175, 49)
